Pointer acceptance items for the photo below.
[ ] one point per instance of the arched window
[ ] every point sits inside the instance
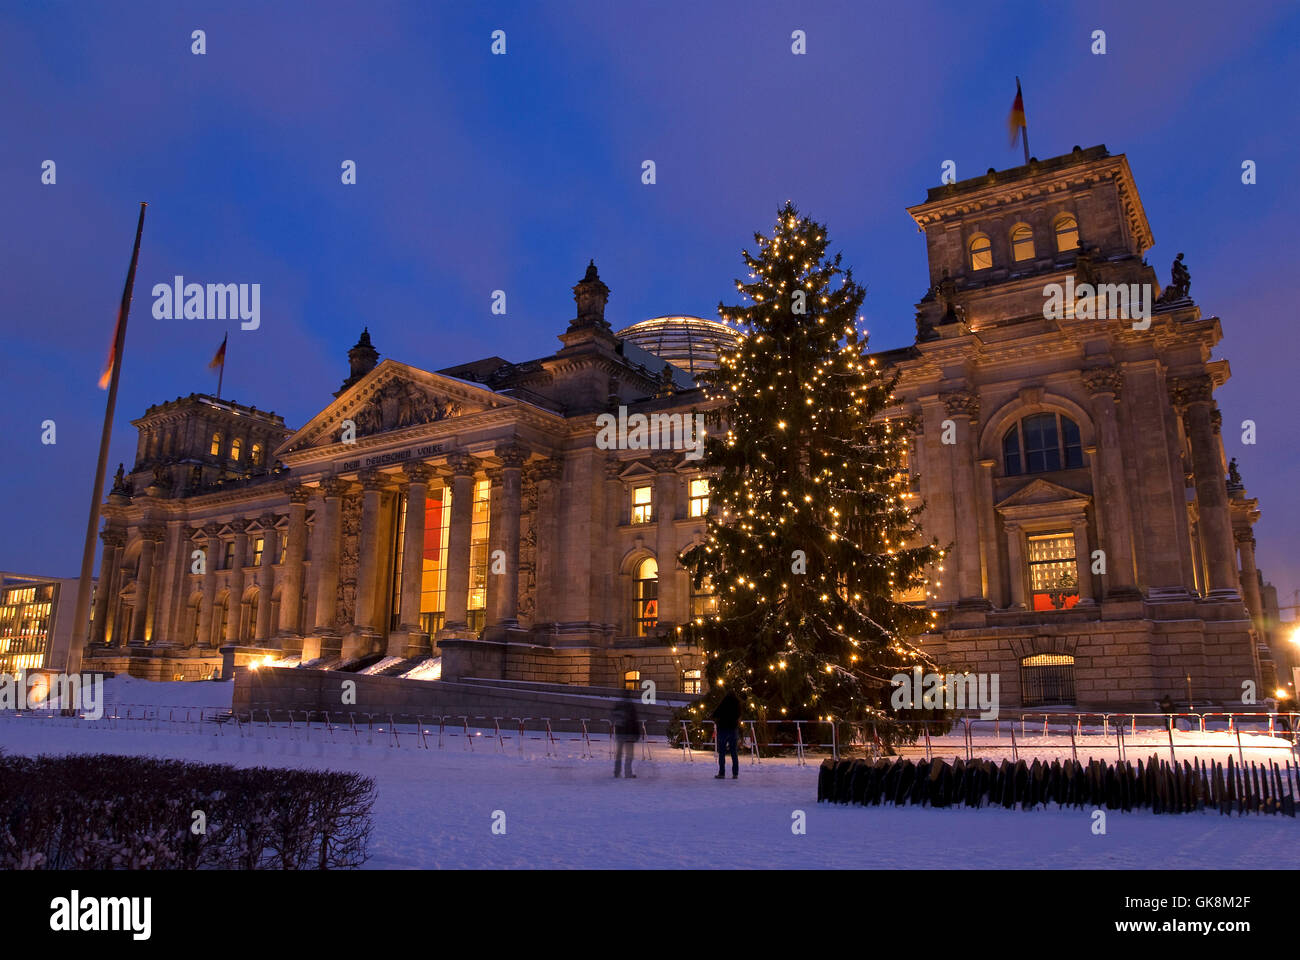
(1022, 242)
(1041, 443)
(1046, 678)
(215, 449)
(236, 448)
(255, 455)
(981, 252)
(645, 604)
(1067, 233)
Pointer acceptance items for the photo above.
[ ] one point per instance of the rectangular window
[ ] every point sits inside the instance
(704, 603)
(1053, 576)
(258, 546)
(476, 602)
(692, 682)
(632, 680)
(399, 547)
(1041, 450)
(699, 497)
(284, 548)
(642, 504)
(433, 580)
(228, 560)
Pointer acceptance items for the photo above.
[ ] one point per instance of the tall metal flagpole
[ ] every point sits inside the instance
(81, 612)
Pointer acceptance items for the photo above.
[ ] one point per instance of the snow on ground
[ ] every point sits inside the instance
(124, 690)
(435, 807)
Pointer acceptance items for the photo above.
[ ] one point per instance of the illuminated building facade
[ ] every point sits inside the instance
(1100, 552)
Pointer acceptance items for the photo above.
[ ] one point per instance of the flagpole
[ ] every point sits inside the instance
(1024, 129)
(81, 611)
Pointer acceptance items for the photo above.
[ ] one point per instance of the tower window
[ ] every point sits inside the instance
(699, 497)
(981, 252)
(1040, 444)
(642, 505)
(1067, 234)
(1022, 243)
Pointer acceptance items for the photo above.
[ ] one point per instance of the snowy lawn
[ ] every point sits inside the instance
(436, 807)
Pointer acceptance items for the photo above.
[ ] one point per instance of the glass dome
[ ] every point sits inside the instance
(691, 343)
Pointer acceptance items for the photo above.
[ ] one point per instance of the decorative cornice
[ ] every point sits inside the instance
(300, 494)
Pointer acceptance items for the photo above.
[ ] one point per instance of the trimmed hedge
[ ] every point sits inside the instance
(104, 812)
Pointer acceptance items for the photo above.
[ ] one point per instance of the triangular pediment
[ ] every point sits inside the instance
(394, 396)
(1040, 491)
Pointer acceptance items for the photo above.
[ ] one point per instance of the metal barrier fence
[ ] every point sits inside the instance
(1090, 730)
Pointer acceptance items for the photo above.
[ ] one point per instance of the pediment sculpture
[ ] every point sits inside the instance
(400, 403)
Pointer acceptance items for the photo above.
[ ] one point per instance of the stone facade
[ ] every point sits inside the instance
(1072, 466)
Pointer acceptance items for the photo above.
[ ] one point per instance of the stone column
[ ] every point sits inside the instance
(963, 408)
(1016, 562)
(665, 515)
(512, 456)
(409, 639)
(1195, 396)
(368, 561)
(496, 542)
(1083, 560)
(156, 585)
(326, 565)
(266, 576)
(143, 584)
(546, 473)
(291, 574)
(615, 516)
(462, 516)
(988, 535)
(1250, 576)
(114, 541)
(212, 533)
(236, 579)
(1110, 491)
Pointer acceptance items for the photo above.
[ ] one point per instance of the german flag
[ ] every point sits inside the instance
(106, 377)
(1016, 122)
(219, 358)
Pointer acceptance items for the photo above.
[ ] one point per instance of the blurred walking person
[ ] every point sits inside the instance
(627, 731)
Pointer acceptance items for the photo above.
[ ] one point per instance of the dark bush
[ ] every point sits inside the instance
(101, 812)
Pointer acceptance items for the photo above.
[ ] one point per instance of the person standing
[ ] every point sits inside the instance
(627, 731)
(726, 716)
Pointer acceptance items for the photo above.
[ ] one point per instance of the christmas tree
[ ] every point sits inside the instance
(815, 534)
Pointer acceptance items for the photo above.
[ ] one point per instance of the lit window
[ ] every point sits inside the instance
(258, 546)
(692, 682)
(1053, 576)
(255, 455)
(700, 497)
(1041, 443)
(284, 548)
(1067, 234)
(215, 449)
(236, 448)
(1022, 243)
(641, 504)
(981, 252)
(704, 602)
(476, 605)
(632, 680)
(645, 610)
(229, 560)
